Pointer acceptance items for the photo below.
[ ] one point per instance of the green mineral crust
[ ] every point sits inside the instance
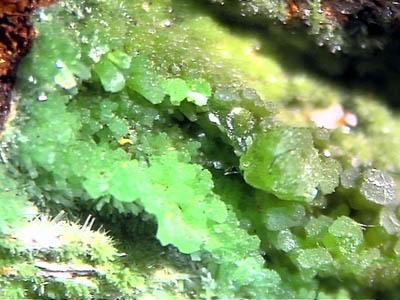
(203, 167)
(341, 25)
(336, 38)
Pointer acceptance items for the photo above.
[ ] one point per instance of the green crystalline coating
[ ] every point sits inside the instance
(284, 162)
(78, 262)
(111, 78)
(200, 91)
(177, 89)
(330, 169)
(286, 241)
(165, 187)
(279, 218)
(318, 226)
(145, 81)
(196, 91)
(120, 59)
(378, 187)
(65, 78)
(344, 235)
(341, 294)
(13, 202)
(317, 258)
(199, 102)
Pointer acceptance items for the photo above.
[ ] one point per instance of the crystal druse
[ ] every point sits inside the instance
(217, 172)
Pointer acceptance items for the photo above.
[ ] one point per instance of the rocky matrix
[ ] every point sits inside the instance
(16, 34)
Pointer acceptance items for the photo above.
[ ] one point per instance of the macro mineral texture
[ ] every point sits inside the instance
(337, 39)
(161, 153)
(16, 34)
(333, 22)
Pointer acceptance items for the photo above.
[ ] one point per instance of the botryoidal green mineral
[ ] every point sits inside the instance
(217, 173)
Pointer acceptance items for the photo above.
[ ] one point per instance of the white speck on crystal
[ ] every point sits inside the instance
(42, 97)
(214, 118)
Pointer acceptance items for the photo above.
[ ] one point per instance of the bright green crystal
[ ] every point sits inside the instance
(316, 259)
(177, 89)
(278, 218)
(185, 138)
(111, 78)
(13, 203)
(344, 235)
(146, 81)
(283, 161)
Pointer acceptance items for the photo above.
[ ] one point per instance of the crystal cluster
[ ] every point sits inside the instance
(151, 114)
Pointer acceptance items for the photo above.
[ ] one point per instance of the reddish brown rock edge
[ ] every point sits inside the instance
(341, 11)
(16, 35)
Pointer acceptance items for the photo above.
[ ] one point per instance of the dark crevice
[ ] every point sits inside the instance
(369, 60)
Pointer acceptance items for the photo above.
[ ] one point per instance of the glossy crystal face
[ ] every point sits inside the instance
(220, 169)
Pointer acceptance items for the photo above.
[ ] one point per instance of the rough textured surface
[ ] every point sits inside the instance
(16, 34)
(335, 23)
(355, 42)
(171, 127)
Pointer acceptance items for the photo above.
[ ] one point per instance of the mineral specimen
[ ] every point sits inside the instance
(16, 35)
(352, 30)
(190, 142)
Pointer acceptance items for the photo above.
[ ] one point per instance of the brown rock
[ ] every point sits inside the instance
(16, 34)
